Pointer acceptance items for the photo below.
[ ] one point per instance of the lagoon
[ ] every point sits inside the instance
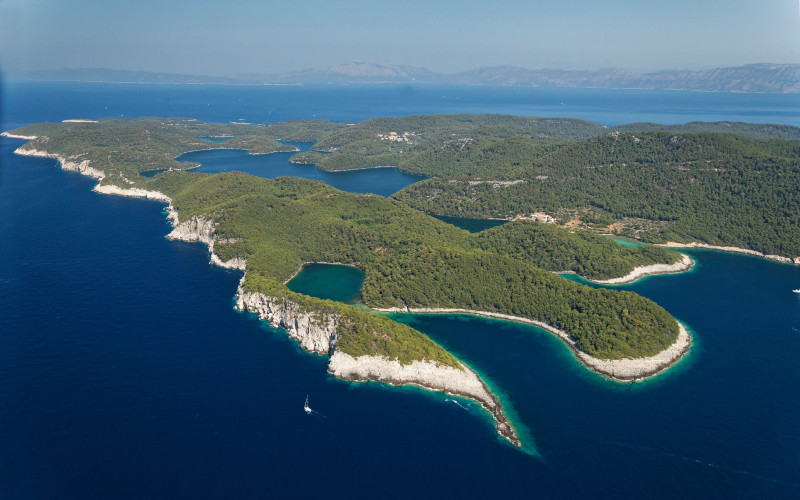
(329, 281)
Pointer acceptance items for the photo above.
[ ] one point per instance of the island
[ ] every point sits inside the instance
(413, 262)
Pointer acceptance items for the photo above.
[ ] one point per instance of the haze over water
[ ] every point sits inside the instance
(126, 373)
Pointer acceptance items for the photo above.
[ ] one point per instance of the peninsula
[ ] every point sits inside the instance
(411, 261)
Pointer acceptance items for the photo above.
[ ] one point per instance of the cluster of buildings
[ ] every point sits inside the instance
(394, 136)
(537, 216)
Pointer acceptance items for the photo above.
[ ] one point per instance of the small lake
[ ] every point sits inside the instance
(329, 281)
(383, 181)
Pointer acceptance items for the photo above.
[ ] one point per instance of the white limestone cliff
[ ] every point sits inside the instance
(318, 332)
(70, 164)
(132, 192)
(682, 265)
(314, 331)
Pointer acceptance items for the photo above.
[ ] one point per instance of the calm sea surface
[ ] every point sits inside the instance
(383, 181)
(126, 373)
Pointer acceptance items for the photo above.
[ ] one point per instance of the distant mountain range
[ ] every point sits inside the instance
(763, 77)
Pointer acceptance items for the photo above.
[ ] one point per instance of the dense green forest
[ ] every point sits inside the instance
(409, 258)
(399, 141)
(123, 148)
(719, 188)
(555, 249)
(763, 131)
(411, 142)
(716, 188)
(722, 183)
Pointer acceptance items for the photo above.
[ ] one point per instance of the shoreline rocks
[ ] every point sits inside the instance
(745, 251)
(318, 333)
(684, 264)
(72, 166)
(465, 383)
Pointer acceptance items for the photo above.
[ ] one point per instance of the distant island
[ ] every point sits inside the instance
(479, 165)
(762, 77)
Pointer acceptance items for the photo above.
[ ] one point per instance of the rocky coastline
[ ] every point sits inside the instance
(66, 164)
(314, 333)
(15, 136)
(318, 333)
(621, 370)
(465, 383)
(745, 251)
(682, 265)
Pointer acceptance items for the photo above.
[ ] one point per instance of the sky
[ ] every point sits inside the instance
(273, 36)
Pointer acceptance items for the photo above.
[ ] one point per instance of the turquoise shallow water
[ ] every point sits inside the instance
(329, 281)
(126, 373)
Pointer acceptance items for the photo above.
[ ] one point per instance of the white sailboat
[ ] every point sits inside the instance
(307, 408)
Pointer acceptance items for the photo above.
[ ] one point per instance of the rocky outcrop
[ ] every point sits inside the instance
(70, 164)
(133, 192)
(202, 230)
(316, 332)
(465, 382)
(237, 263)
(194, 229)
(15, 136)
(682, 265)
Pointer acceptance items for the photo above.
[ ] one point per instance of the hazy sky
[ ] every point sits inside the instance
(267, 36)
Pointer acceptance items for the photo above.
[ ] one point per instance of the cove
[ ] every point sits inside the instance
(329, 281)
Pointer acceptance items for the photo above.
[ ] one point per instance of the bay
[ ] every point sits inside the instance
(381, 181)
(126, 373)
(330, 282)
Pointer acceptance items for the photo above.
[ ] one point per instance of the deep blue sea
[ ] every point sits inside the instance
(126, 373)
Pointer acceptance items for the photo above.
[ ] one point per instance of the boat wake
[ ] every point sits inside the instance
(708, 464)
(459, 404)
